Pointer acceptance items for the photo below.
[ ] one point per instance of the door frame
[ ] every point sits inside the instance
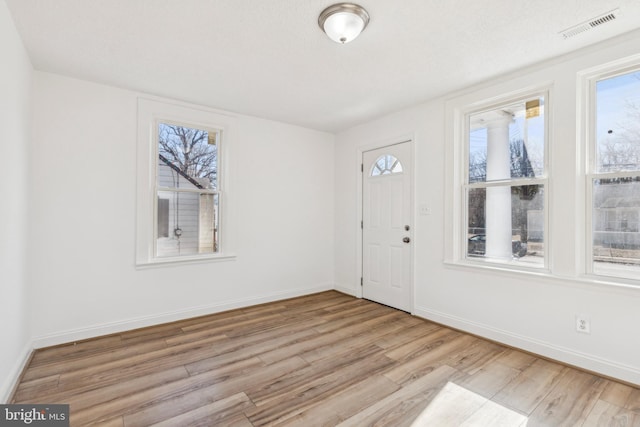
(408, 138)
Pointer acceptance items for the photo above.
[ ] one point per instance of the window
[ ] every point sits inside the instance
(182, 213)
(614, 175)
(385, 165)
(187, 190)
(505, 183)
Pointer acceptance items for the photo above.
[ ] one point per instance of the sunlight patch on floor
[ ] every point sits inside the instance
(457, 406)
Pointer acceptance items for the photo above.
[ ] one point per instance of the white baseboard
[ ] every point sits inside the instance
(7, 388)
(588, 362)
(346, 290)
(141, 322)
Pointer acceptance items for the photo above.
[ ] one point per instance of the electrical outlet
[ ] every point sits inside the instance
(583, 324)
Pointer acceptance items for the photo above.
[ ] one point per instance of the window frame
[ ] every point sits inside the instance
(176, 190)
(588, 139)
(152, 112)
(463, 185)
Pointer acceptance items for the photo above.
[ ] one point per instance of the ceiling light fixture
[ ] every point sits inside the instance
(343, 22)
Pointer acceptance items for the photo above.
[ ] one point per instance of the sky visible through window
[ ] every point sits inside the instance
(530, 133)
(617, 99)
(617, 119)
(618, 122)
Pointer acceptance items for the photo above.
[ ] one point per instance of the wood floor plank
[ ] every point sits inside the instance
(405, 405)
(297, 400)
(361, 334)
(276, 390)
(411, 333)
(75, 350)
(321, 310)
(207, 385)
(268, 339)
(90, 361)
(324, 300)
(33, 390)
(472, 358)
(527, 390)
(427, 359)
(212, 414)
(377, 324)
(311, 341)
(138, 365)
(194, 336)
(97, 396)
(301, 307)
(180, 403)
(341, 341)
(263, 309)
(422, 345)
(516, 359)
(151, 333)
(227, 326)
(339, 305)
(340, 320)
(570, 401)
(316, 360)
(622, 395)
(344, 404)
(234, 352)
(237, 421)
(490, 379)
(604, 414)
(113, 422)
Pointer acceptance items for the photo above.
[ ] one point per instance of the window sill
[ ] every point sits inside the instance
(596, 282)
(185, 260)
(499, 267)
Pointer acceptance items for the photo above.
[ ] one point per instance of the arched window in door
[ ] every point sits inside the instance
(385, 165)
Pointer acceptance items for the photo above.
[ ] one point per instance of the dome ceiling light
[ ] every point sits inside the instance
(343, 22)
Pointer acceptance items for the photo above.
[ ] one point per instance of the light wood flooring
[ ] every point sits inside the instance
(325, 359)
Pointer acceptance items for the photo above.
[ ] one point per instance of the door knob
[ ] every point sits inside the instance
(406, 239)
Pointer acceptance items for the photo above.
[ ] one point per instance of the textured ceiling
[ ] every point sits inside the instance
(268, 58)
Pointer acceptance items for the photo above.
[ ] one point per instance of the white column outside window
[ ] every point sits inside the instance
(498, 204)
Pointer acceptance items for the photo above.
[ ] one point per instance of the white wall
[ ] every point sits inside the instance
(15, 92)
(534, 312)
(82, 240)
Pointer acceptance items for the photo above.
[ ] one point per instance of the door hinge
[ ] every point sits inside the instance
(361, 224)
(361, 282)
(361, 167)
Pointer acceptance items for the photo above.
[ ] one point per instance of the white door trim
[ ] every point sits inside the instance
(360, 181)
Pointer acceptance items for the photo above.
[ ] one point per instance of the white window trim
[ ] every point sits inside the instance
(456, 177)
(586, 122)
(151, 111)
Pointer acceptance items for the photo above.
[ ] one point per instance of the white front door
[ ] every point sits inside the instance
(386, 226)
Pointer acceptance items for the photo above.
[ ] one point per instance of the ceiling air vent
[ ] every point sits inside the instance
(592, 23)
